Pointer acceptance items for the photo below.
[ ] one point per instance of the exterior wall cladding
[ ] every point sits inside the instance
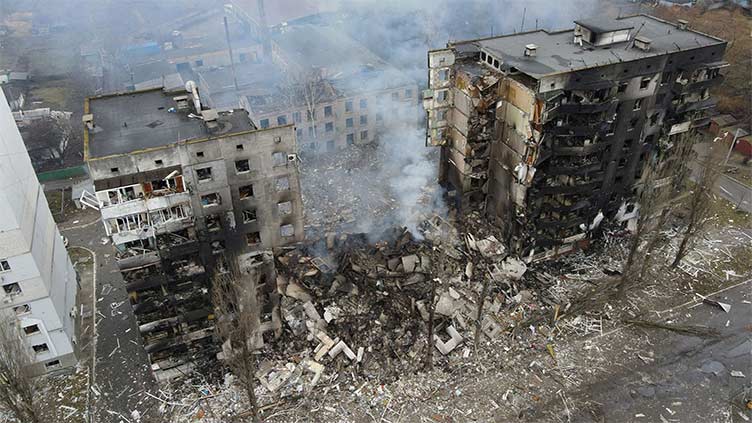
(178, 212)
(550, 132)
(36, 274)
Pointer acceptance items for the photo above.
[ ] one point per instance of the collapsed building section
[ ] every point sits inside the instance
(184, 192)
(550, 132)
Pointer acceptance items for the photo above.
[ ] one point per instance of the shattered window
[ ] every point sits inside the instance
(645, 83)
(327, 111)
(279, 158)
(213, 223)
(4, 266)
(12, 289)
(30, 330)
(40, 348)
(246, 191)
(623, 87)
(282, 184)
(286, 231)
(204, 174)
(209, 200)
(217, 246)
(633, 123)
(252, 238)
(285, 208)
(637, 104)
(249, 216)
(242, 166)
(22, 309)
(52, 364)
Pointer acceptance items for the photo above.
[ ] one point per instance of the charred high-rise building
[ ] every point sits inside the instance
(549, 132)
(182, 189)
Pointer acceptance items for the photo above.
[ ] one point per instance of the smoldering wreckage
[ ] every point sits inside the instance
(352, 313)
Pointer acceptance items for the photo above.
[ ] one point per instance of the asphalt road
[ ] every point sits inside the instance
(122, 370)
(685, 378)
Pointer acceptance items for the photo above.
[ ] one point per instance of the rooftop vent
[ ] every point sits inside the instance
(642, 43)
(578, 39)
(182, 101)
(210, 118)
(531, 50)
(88, 120)
(682, 24)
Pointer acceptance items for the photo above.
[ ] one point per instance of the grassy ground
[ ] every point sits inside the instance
(60, 211)
(53, 94)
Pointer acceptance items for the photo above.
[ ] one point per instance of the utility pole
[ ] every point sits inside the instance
(264, 32)
(232, 58)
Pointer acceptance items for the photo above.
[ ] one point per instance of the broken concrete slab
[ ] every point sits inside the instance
(326, 344)
(446, 305)
(311, 312)
(332, 313)
(295, 290)
(342, 347)
(447, 347)
(511, 268)
(313, 367)
(490, 247)
(409, 263)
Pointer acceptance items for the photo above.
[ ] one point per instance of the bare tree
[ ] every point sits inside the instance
(309, 89)
(238, 322)
(700, 206)
(431, 316)
(17, 388)
(481, 303)
(650, 200)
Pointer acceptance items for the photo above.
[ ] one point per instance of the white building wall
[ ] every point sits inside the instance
(34, 250)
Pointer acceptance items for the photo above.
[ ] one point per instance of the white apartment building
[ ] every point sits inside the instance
(37, 278)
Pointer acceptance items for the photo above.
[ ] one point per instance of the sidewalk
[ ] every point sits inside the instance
(121, 369)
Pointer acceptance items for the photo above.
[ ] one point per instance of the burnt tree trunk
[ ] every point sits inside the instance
(431, 313)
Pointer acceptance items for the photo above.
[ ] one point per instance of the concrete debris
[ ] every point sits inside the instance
(448, 346)
(723, 306)
(737, 373)
(341, 347)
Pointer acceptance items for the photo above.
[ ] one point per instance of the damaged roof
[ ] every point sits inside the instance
(133, 121)
(557, 52)
(601, 24)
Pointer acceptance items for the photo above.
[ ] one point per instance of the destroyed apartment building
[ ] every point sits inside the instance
(184, 191)
(550, 132)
